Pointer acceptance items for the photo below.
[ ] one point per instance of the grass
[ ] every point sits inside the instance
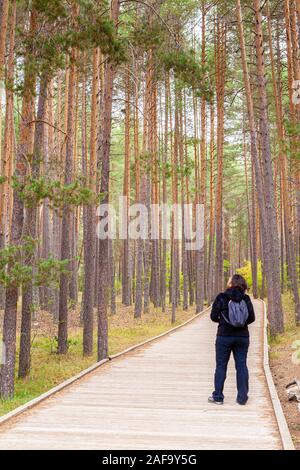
(291, 333)
(274, 355)
(49, 369)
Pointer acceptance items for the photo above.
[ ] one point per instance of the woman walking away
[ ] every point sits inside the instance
(233, 311)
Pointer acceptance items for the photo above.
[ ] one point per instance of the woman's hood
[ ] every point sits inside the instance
(235, 294)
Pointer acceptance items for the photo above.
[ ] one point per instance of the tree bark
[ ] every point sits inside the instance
(210, 273)
(126, 275)
(66, 226)
(220, 89)
(103, 251)
(184, 252)
(8, 147)
(7, 371)
(30, 230)
(261, 189)
(277, 324)
(89, 229)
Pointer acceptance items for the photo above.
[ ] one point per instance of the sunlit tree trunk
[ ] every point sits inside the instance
(4, 11)
(6, 162)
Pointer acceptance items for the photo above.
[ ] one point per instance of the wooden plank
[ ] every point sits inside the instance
(155, 397)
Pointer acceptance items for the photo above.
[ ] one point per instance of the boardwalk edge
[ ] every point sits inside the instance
(284, 431)
(36, 401)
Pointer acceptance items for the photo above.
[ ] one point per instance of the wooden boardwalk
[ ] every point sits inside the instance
(155, 398)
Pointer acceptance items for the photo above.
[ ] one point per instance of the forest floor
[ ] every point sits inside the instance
(49, 369)
(284, 370)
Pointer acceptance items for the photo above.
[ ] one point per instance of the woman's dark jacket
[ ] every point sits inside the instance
(220, 308)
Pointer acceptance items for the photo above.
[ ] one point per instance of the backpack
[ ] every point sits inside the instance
(237, 314)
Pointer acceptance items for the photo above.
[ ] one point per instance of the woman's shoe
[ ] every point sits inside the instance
(212, 400)
(242, 403)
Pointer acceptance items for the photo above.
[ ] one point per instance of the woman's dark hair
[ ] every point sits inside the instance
(238, 281)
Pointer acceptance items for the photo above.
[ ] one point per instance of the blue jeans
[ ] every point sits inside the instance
(239, 345)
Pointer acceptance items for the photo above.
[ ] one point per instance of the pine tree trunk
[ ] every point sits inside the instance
(289, 241)
(175, 228)
(140, 198)
(103, 250)
(4, 10)
(3, 30)
(277, 324)
(8, 147)
(84, 166)
(147, 183)
(73, 284)
(126, 278)
(147, 250)
(188, 200)
(7, 371)
(252, 234)
(202, 199)
(220, 89)
(56, 219)
(275, 318)
(184, 252)
(89, 229)
(46, 294)
(152, 148)
(138, 307)
(30, 230)
(66, 223)
(210, 273)
(293, 68)
(113, 306)
(163, 268)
